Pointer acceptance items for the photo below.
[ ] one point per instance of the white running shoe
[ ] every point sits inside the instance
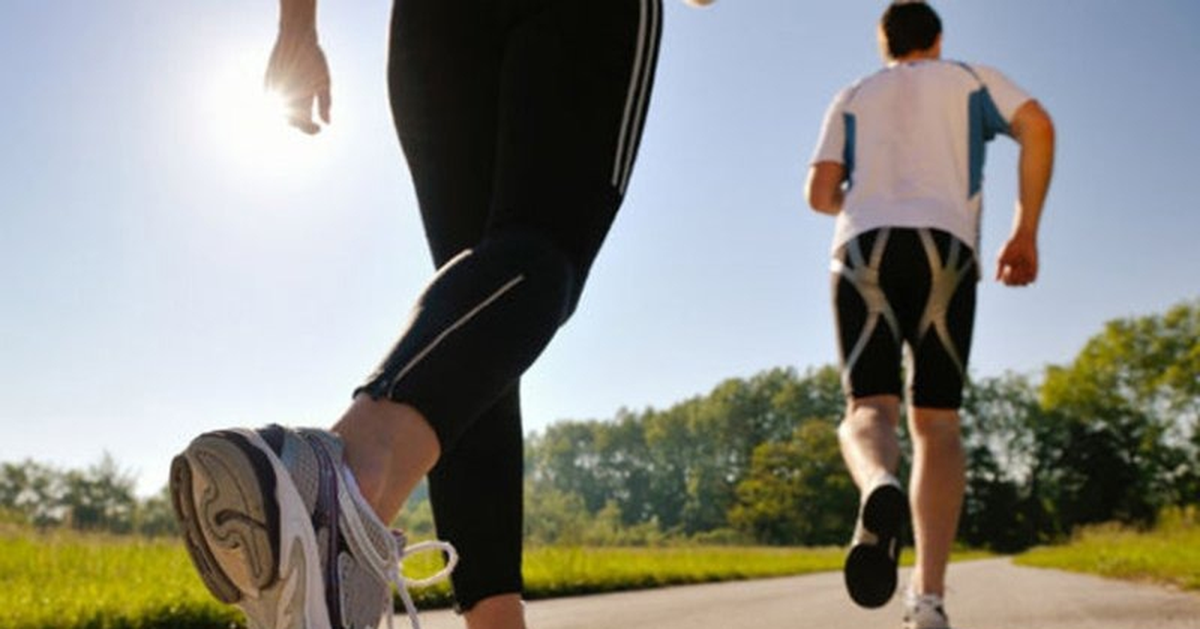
(275, 524)
(925, 611)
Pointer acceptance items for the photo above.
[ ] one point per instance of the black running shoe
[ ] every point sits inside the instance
(874, 557)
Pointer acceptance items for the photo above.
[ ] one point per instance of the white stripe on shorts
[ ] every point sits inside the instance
(639, 87)
(454, 326)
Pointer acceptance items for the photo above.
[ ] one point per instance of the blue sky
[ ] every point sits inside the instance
(167, 269)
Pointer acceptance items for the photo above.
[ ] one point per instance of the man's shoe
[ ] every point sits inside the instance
(925, 611)
(871, 566)
(274, 523)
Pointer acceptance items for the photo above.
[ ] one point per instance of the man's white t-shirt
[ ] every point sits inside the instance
(911, 138)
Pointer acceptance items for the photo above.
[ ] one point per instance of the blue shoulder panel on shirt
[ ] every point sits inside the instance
(848, 150)
(985, 122)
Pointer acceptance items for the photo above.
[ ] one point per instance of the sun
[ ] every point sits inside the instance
(246, 125)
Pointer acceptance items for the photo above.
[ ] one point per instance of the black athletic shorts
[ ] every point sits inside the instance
(903, 287)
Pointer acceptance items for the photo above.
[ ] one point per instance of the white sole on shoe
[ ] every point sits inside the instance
(230, 494)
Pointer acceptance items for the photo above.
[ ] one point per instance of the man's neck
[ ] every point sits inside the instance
(928, 54)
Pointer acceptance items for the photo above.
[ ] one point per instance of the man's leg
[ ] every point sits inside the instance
(941, 350)
(869, 341)
(868, 440)
(867, 436)
(936, 489)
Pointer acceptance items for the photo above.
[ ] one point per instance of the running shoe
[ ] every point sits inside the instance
(871, 565)
(925, 611)
(274, 523)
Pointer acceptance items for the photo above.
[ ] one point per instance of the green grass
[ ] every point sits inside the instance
(564, 571)
(554, 571)
(71, 581)
(1168, 554)
(558, 571)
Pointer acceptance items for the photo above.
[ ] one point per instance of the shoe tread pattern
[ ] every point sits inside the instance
(871, 565)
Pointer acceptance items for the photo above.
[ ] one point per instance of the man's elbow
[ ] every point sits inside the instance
(820, 203)
(822, 189)
(824, 199)
(1042, 129)
(1035, 126)
(825, 206)
(815, 201)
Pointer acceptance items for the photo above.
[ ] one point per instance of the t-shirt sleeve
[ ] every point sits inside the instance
(831, 144)
(1007, 95)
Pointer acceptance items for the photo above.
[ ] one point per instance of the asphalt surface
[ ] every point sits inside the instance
(987, 594)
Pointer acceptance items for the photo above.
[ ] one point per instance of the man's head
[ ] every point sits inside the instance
(910, 29)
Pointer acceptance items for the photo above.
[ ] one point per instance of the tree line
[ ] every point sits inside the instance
(99, 498)
(1113, 435)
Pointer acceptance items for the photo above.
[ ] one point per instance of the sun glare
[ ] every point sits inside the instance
(248, 129)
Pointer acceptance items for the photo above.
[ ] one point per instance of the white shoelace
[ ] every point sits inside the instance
(402, 583)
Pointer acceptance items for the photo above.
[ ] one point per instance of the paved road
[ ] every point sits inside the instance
(988, 594)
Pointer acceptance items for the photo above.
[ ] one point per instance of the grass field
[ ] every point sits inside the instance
(71, 581)
(67, 581)
(1168, 554)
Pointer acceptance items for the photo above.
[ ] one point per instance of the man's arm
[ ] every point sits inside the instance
(824, 187)
(1034, 131)
(297, 69)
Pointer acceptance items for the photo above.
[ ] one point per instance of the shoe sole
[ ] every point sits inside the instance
(247, 530)
(870, 568)
(232, 531)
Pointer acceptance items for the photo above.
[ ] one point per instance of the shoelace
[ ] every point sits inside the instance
(403, 583)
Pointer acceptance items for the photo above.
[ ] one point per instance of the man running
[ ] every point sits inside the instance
(520, 122)
(900, 164)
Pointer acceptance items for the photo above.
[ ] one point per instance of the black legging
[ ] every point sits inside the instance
(520, 120)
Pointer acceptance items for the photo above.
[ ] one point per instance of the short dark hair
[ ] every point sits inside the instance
(909, 26)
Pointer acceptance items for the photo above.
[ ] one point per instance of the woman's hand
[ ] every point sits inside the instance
(299, 73)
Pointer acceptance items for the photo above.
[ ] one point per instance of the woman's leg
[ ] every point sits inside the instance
(564, 142)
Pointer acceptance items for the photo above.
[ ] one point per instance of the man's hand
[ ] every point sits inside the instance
(1034, 131)
(299, 73)
(1017, 264)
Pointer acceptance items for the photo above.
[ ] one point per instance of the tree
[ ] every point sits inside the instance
(553, 516)
(797, 491)
(678, 468)
(565, 458)
(1011, 448)
(1131, 404)
(100, 498)
(30, 490)
(154, 517)
(1113, 435)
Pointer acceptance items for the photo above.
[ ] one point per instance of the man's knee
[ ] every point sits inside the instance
(869, 410)
(935, 423)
